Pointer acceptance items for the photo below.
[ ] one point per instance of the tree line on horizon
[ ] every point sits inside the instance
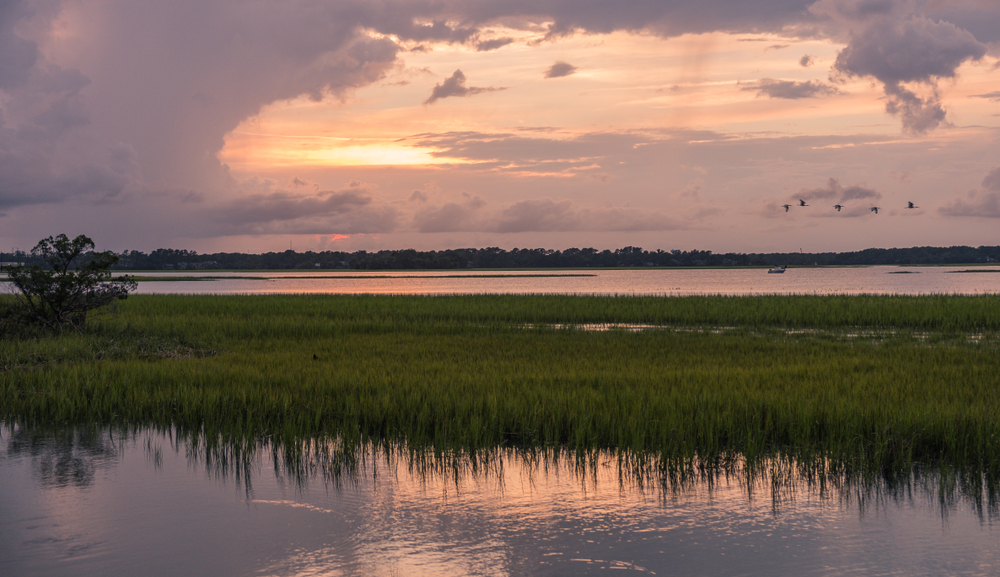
(493, 257)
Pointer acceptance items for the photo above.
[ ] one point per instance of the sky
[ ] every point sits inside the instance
(264, 125)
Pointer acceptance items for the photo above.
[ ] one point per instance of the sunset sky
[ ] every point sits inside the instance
(259, 125)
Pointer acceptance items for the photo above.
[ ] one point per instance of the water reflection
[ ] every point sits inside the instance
(159, 502)
(666, 282)
(66, 457)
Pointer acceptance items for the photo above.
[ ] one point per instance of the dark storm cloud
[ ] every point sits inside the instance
(18, 54)
(915, 50)
(59, 129)
(788, 89)
(560, 69)
(860, 10)
(455, 86)
(656, 16)
(41, 108)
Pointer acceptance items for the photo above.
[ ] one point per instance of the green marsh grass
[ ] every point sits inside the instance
(857, 386)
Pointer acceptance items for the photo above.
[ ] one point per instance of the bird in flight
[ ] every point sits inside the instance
(911, 205)
(874, 209)
(787, 206)
(802, 203)
(838, 207)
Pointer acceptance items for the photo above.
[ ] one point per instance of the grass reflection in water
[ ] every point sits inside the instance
(846, 394)
(70, 456)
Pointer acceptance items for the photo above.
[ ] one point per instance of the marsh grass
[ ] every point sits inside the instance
(863, 388)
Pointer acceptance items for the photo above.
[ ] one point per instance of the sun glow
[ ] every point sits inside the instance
(244, 149)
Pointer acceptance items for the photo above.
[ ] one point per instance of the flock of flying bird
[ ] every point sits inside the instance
(874, 209)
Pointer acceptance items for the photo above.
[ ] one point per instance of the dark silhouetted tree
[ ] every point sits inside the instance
(73, 281)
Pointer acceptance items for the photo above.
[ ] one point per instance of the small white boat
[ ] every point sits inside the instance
(776, 270)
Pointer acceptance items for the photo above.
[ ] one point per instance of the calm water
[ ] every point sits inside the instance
(871, 280)
(91, 503)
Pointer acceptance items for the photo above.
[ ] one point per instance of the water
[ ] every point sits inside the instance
(677, 282)
(88, 502)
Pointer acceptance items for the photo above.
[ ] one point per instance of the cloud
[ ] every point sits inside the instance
(487, 45)
(789, 89)
(109, 102)
(19, 54)
(537, 215)
(286, 206)
(838, 194)
(985, 203)
(450, 216)
(977, 203)
(835, 191)
(860, 10)
(992, 180)
(345, 211)
(915, 50)
(666, 19)
(806, 61)
(560, 69)
(41, 109)
(296, 182)
(518, 153)
(980, 17)
(475, 214)
(919, 115)
(994, 96)
(548, 215)
(407, 28)
(165, 81)
(455, 86)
